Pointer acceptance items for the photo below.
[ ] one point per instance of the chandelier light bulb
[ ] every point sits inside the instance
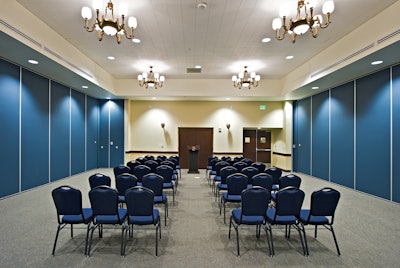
(123, 9)
(277, 24)
(86, 13)
(132, 22)
(311, 3)
(97, 4)
(328, 7)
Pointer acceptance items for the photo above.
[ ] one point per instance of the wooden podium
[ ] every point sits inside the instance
(193, 158)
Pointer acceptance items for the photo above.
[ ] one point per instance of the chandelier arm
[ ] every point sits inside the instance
(87, 27)
(328, 21)
(118, 36)
(293, 37)
(100, 34)
(130, 35)
(278, 35)
(314, 32)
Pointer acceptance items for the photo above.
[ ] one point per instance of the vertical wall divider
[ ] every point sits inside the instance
(49, 147)
(355, 134)
(20, 133)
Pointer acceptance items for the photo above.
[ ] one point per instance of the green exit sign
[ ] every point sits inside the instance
(262, 107)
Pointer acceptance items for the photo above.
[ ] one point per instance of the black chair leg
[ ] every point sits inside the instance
(55, 241)
(334, 238)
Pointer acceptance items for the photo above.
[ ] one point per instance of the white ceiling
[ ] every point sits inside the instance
(222, 38)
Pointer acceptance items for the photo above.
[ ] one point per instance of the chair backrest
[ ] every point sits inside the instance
(141, 160)
(120, 169)
(263, 180)
(154, 182)
(260, 166)
(152, 164)
(275, 172)
(174, 158)
(248, 161)
(218, 166)
(227, 159)
(250, 172)
(149, 157)
(288, 201)
(240, 165)
(226, 171)
(169, 163)
(104, 200)
(238, 159)
(213, 162)
(99, 179)
(255, 201)
(139, 201)
(68, 200)
(289, 180)
(236, 183)
(125, 181)
(141, 170)
(161, 158)
(166, 172)
(132, 164)
(324, 202)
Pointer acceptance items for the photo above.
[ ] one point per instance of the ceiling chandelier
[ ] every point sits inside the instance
(151, 79)
(305, 22)
(245, 79)
(107, 24)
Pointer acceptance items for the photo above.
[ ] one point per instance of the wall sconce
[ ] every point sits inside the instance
(163, 125)
(228, 126)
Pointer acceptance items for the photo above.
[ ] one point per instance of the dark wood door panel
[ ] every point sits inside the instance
(202, 137)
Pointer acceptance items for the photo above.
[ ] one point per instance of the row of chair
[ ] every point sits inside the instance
(104, 210)
(153, 161)
(156, 182)
(287, 212)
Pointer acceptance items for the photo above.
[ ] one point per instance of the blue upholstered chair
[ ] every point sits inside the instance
(287, 181)
(99, 179)
(141, 211)
(217, 177)
(321, 212)
(123, 182)
(236, 183)
(152, 164)
(68, 202)
(276, 174)
(224, 173)
(252, 212)
(263, 180)
(167, 173)
(250, 172)
(140, 171)
(104, 202)
(260, 166)
(155, 183)
(240, 165)
(286, 213)
(120, 169)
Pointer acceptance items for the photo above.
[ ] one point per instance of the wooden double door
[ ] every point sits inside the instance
(257, 145)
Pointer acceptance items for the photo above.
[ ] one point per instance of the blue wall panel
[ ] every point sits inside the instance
(320, 135)
(396, 133)
(92, 132)
(9, 125)
(342, 135)
(77, 132)
(59, 131)
(34, 130)
(117, 132)
(104, 137)
(303, 137)
(373, 134)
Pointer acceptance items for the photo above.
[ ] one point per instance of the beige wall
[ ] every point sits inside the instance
(144, 131)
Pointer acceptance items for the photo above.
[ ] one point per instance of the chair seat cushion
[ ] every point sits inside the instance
(217, 178)
(112, 219)
(168, 185)
(142, 220)
(121, 199)
(315, 220)
(231, 198)
(75, 219)
(250, 220)
(282, 220)
(160, 198)
(222, 186)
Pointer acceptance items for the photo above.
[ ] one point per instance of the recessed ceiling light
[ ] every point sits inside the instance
(85, 87)
(197, 66)
(227, 98)
(377, 62)
(136, 40)
(153, 98)
(266, 40)
(315, 88)
(111, 58)
(289, 57)
(33, 61)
